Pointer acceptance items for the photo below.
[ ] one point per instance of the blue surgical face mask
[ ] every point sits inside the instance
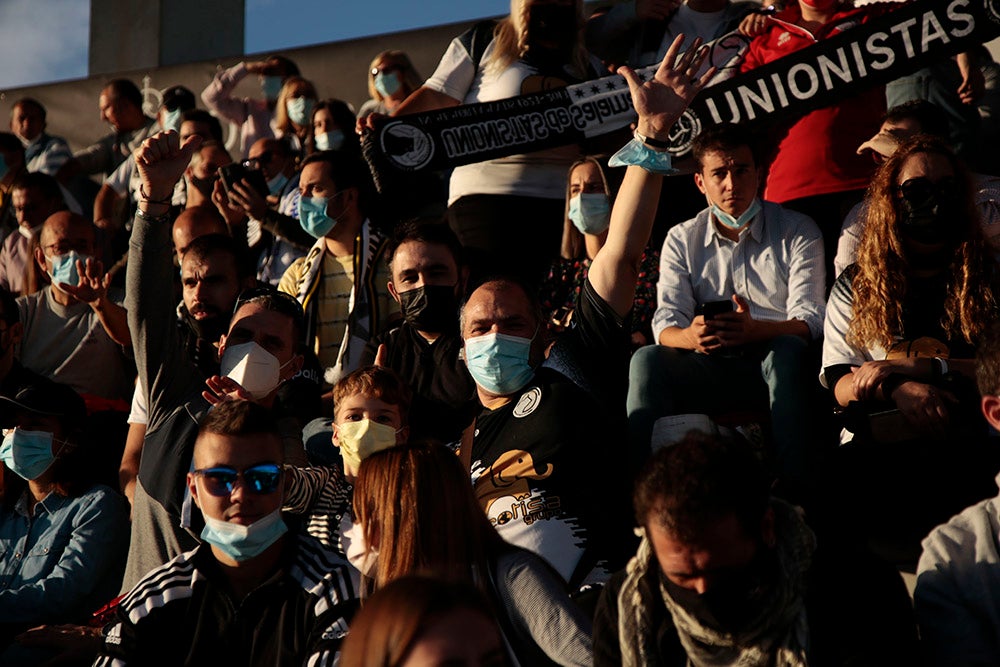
(27, 453)
(241, 542)
(499, 362)
(277, 184)
(300, 110)
(271, 86)
(590, 212)
(313, 217)
(736, 223)
(330, 141)
(171, 120)
(3, 166)
(387, 83)
(64, 268)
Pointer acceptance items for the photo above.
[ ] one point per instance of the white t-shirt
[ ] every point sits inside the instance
(540, 174)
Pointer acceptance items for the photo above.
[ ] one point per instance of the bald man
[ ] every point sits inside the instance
(194, 222)
(74, 331)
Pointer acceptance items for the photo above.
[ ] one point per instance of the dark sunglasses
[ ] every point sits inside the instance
(923, 188)
(259, 161)
(259, 479)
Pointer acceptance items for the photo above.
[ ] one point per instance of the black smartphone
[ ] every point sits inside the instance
(235, 172)
(714, 308)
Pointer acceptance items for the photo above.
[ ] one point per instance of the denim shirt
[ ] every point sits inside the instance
(63, 561)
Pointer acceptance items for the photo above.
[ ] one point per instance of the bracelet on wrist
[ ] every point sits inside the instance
(656, 144)
(166, 201)
(163, 217)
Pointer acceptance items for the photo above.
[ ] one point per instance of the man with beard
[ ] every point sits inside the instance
(213, 273)
(727, 575)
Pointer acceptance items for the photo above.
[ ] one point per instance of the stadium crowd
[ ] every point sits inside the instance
(585, 405)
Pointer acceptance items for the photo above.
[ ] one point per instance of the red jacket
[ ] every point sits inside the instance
(816, 155)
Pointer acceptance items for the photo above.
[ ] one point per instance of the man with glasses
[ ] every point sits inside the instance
(251, 593)
(75, 328)
(259, 353)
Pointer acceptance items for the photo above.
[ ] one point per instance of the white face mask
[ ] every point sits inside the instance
(363, 558)
(253, 368)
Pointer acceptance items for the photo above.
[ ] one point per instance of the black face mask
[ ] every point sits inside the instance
(553, 24)
(926, 210)
(431, 308)
(732, 601)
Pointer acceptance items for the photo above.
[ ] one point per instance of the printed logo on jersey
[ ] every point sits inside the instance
(114, 636)
(529, 402)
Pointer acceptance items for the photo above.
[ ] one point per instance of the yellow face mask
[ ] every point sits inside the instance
(360, 439)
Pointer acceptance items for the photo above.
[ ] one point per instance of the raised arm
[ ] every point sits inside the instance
(160, 160)
(659, 103)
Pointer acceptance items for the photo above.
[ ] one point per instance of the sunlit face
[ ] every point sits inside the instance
(193, 127)
(586, 178)
(30, 207)
(323, 122)
(271, 330)
(729, 179)
(212, 157)
(238, 452)
(26, 122)
(210, 285)
(722, 548)
(61, 234)
(459, 638)
(112, 110)
(264, 154)
(416, 264)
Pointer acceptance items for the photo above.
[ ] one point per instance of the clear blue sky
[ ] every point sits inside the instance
(46, 40)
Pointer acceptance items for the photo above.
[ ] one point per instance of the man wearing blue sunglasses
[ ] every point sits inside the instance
(252, 593)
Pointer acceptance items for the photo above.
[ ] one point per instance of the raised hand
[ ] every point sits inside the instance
(161, 161)
(93, 285)
(661, 100)
(232, 213)
(221, 388)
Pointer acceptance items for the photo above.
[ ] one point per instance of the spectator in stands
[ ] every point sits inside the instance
(12, 169)
(34, 198)
(901, 123)
(75, 329)
(371, 413)
(416, 621)
(273, 229)
(255, 117)
(727, 575)
(62, 538)
(203, 173)
(493, 206)
(391, 79)
(428, 281)
(401, 495)
(344, 294)
(639, 32)
(192, 223)
(214, 272)
(42, 152)
(121, 108)
(539, 432)
(585, 226)
(957, 578)
(293, 115)
(258, 353)
(123, 184)
(899, 340)
(814, 168)
(333, 127)
(251, 593)
(762, 267)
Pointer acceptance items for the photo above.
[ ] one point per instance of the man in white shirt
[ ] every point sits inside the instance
(739, 299)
